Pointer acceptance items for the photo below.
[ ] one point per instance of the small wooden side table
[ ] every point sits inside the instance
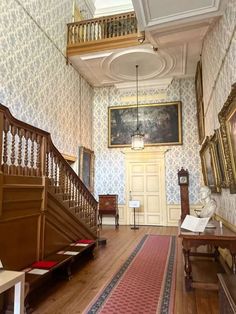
(9, 279)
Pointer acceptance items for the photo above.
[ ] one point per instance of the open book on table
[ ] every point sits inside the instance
(194, 224)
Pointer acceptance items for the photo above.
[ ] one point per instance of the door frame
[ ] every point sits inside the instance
(147, 155)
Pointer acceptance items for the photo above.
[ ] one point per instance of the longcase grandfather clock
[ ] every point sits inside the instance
(183, 180)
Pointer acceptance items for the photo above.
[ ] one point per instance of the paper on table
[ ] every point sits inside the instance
(70, 253)
(194, 224)
(37, 271)
(81, 244)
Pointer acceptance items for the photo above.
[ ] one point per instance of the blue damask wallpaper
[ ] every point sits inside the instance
(218, 59)
(110, 165)
(36, 83)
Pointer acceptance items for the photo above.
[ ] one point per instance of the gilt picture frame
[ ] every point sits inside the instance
(160, 123)
(200, 104)
(227, 119)
(218, 149)
(86, 167)
(209, 166)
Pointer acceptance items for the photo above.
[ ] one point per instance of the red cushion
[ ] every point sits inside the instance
(44, 264)
(85, 241)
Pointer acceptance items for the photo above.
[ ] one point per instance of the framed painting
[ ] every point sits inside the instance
(218, 150)
(161, 124)
(227, 118)
(200, 104)
(209, 166)
(86, 167)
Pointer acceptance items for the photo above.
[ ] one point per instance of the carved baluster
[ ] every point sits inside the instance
(19, 159)
(38, 156)
(84, 205)
(73, 192)
(79, 201)
(98, 30)
(87, 207)
(76, 34)
(76, 198)
(70, 189)
(51, 168)
(5, 167)
(32, 170)
(84, 33)
(79, 34)
(88, 31)
(73, 34)
(55, 174)
(66, 186)
(26, 157)
(95, 24)
(13, 150)
(47, 164)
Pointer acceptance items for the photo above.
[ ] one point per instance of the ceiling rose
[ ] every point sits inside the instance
(121, 65)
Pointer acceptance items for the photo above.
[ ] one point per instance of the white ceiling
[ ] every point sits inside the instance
(176, 28)
(110, 7)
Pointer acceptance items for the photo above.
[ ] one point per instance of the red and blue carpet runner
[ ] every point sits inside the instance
(145, 283)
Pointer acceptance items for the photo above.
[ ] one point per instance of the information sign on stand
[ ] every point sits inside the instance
(134, 204)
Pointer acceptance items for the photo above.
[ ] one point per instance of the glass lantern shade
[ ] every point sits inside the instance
(137, 141)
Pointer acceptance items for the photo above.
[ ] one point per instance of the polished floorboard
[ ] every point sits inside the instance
(73, 296)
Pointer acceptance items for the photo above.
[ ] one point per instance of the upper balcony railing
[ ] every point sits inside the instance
(102, 33)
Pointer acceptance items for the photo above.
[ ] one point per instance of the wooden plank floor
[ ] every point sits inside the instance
(73, 296)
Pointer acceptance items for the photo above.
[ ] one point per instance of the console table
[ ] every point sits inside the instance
(218, 237)
(108, 206)
(9, 279)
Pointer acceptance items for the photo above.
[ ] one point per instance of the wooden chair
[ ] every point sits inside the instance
(108, 206)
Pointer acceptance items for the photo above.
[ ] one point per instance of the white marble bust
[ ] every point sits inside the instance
(209, 204)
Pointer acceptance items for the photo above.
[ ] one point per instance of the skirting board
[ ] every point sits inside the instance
(173, 214)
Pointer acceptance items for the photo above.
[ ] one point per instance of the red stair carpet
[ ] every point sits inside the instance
(145, 284)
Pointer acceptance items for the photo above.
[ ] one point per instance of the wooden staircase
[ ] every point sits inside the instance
(44, 206)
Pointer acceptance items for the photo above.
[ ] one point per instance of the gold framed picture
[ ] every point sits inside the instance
(227, 119)
(209, 166)
(200, 104)
(86, 167)
(218, 149)
(161, 124)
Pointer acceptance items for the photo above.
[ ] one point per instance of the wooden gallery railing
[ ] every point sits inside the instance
(108, 31)
(28, 151)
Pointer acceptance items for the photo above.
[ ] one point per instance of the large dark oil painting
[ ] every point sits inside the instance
(161, 124)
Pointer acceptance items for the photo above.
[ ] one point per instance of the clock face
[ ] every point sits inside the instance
(183, 180)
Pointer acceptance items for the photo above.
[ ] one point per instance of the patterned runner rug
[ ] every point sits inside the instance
(145, 283)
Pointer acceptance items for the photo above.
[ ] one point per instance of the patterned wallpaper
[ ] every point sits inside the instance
(219, 73)
(36, 84)
(110, 163)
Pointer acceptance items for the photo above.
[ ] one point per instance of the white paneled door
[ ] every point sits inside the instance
(145, 181)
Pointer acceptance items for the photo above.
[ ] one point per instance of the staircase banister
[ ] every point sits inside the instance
(106, 17)
(22, 124)
(68, 168)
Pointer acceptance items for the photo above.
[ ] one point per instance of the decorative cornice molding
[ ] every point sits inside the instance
(157, 84)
